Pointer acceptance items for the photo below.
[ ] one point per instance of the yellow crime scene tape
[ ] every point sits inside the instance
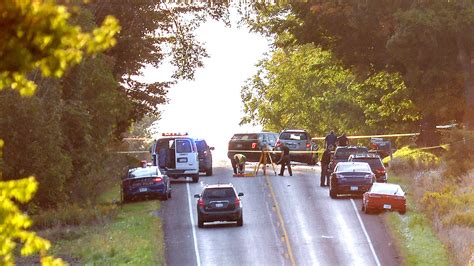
(376, 136)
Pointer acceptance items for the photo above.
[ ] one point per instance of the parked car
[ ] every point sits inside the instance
(145, 181)
(384, 197)
(219, 202)
(205, 156)
(375, 162)
(381, 147)
(176, 155)
(342, 153)
(353, 178)
(250, 144)
(300, 144)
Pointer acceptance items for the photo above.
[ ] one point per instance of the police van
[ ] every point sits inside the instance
(177, 155)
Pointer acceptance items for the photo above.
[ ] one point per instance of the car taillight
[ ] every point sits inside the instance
(237, 202)
(201, 202)
(380, 171)
(157, 179)
(308, 145)
(205, 153)
(254, 145)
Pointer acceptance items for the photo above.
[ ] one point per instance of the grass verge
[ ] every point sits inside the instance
(132, 236)
(414, 235)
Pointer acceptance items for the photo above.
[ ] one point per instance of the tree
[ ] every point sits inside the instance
(305, 87)
(151, 32)
(36, 35)
(430, 43)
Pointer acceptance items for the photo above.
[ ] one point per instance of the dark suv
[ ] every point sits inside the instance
(300, 144)
(250, 144)
(342, 153)
(375, 163)
(205, 156)
(219, 202)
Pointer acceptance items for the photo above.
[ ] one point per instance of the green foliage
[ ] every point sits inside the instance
(38, 35)
(428, 43)
(14, 224)
(305, 87)
(407, 159)
(125, 239)
(459, 156)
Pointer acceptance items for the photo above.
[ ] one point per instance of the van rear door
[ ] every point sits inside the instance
(186, 154)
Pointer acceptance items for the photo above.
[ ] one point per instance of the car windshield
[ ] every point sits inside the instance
(344, 153)
(144, 172)
(245, 136)
(388, 189)
(375, 163)
(293, 136)
(359, 167)
(183, 146)
(213, 193)
(201, 145)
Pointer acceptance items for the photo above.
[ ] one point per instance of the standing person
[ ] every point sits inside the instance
(285, 160)
(238, 163)
(343, 140)
(325, 160)
(330, 139)
(162, 155)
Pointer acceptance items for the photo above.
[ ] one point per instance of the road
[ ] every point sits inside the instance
(287, 221)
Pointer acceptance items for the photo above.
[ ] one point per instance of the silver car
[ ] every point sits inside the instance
(302, 148)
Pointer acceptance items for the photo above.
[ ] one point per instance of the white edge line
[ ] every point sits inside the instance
(365, 233)
(196, 250)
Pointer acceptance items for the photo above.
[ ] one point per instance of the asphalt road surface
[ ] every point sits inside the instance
(287, 221)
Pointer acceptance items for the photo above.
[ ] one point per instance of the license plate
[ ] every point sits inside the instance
(143, 189)
(354, 188)
(219, 205)
(387, 206)
(239, 145)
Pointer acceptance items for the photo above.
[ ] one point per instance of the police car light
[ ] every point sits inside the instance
(169, 134)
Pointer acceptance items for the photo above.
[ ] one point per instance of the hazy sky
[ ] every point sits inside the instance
(210, 106)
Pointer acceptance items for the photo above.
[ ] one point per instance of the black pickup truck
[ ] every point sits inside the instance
(250, 144)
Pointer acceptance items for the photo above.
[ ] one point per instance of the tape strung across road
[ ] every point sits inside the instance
(376, 136)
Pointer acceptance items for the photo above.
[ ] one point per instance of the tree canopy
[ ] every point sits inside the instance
(306, 87)
(430, 44)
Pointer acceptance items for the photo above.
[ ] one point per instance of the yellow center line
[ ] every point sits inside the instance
(280, 217)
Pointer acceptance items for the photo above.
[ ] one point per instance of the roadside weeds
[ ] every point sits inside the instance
(133, 235)
(414, 235)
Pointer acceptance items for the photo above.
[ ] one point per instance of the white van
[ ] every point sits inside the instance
(177, 155)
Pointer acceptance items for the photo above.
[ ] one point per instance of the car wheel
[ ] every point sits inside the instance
(200, 221)
(195, 178)
(332, 193)
(209, 171)
(169, 194)
(240, 221)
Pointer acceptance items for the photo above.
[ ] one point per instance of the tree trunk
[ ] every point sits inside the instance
(465, 60)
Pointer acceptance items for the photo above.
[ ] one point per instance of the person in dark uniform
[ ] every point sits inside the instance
(285, 160)
(343, 140)
(330, 139)
(325, 160)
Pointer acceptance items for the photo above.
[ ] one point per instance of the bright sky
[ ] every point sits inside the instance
(210, 106)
